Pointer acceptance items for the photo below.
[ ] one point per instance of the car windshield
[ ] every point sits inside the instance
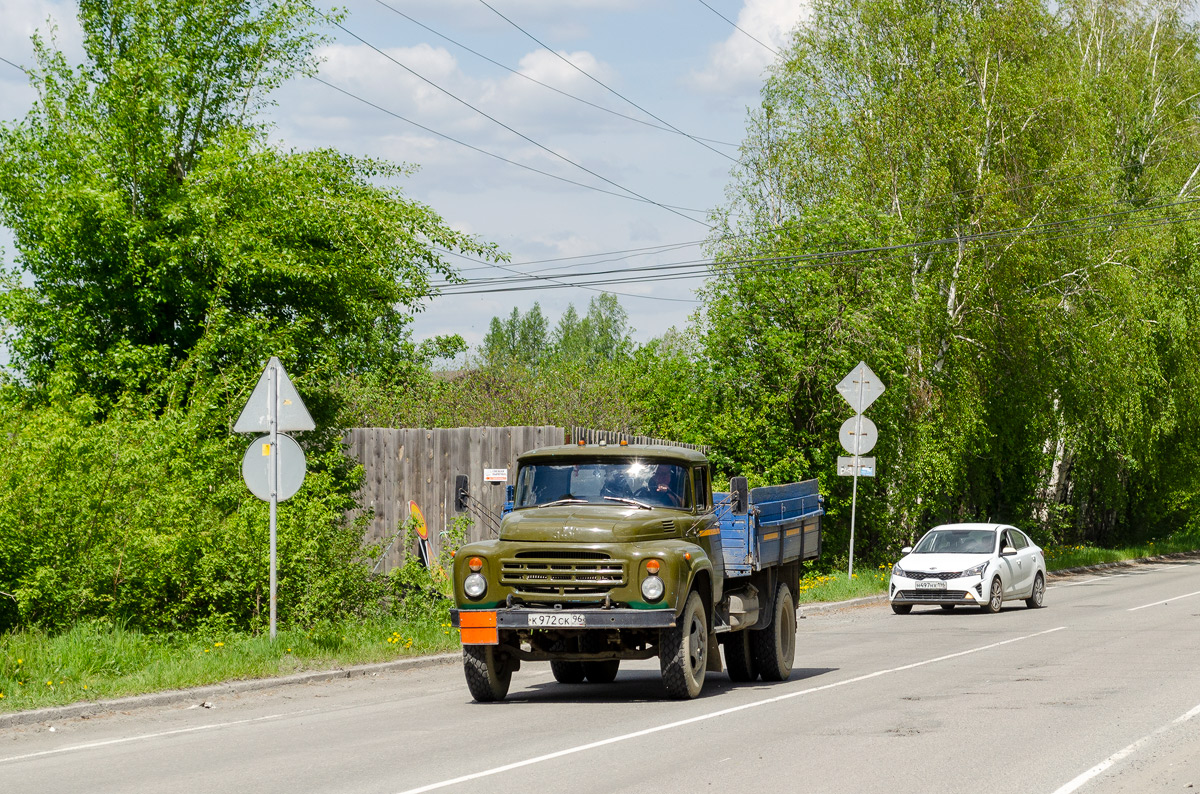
(646, 483)
(957, 541)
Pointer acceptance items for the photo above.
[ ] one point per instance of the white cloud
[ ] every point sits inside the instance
(736, 65)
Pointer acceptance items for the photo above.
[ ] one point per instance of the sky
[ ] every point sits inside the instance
(672, 79)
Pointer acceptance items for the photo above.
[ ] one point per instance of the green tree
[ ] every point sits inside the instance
(982, 201)
(156, 226)
(603, 334)
(519, 338)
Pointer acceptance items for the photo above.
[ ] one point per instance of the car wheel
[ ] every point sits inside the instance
(487, 671)
(774, 648)
(947, 607)
(683, 651)
(995, 597)
(902, 609)
(602, 672)
(1038, 596)
(567, 672)
(739, 658)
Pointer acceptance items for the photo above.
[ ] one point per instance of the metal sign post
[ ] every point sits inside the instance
(275, 406)
(858, 435)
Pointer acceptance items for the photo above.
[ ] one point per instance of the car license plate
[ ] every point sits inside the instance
(550, 619)
(931, 584)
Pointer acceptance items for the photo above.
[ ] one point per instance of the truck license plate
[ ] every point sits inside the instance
(556, 619)
(934, 584)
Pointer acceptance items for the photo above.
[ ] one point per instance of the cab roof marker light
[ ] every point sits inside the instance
(624, 443)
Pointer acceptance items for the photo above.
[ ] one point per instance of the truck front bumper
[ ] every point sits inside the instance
(482, 626)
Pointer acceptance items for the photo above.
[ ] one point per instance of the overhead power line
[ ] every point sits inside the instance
(519, 134)
(1049, 231)
(768, 47)
(534, 80)
(501, 158)
(612, 91)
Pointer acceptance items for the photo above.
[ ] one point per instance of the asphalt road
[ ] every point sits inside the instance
(1098, 692)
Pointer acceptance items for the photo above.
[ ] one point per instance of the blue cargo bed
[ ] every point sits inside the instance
(782, 525)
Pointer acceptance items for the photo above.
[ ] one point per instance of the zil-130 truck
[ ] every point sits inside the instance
(611, 552)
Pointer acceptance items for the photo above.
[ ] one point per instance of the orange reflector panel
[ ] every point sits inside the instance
(481, 636)
(471, 619)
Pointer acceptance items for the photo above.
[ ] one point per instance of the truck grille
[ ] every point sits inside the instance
(562, 572)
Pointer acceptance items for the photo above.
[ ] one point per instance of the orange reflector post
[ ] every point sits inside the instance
(478, 628)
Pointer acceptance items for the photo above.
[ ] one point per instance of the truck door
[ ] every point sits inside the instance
(705, 530)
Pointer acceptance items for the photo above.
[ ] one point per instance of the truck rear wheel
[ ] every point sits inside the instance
(487, 674)
(738, 657)
(567, 672)
(683, 651)
(774, 648)
(602, 672)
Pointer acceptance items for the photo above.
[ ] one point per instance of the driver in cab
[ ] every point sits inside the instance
(662, 490)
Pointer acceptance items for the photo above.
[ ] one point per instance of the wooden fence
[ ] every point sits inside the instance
(589, 436)
(419, 465)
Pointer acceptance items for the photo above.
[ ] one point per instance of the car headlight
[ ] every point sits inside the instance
(475, 585)
(976, 570)
(898, 571)
(652, 588)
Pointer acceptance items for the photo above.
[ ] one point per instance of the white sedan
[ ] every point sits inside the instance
(982, 565)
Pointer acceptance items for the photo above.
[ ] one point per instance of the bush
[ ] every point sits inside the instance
(143, 518)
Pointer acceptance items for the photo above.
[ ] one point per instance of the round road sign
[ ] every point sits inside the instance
(256, 469)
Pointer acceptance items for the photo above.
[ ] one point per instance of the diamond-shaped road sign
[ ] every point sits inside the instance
(256, 415)
(861, 387)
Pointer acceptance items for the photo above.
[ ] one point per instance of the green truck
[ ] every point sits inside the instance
(612, 552)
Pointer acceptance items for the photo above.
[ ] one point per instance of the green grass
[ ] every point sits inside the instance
(97, 661)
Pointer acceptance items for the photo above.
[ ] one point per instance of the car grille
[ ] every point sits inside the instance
(943, 575)
(562, 572)
(931, 595)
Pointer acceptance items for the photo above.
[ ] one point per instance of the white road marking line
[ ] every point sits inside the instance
(1089, 581)
(711, 715)
(1164, 601)
(142, 737)
(1123, 753)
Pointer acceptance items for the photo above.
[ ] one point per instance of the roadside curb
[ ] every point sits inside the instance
(201, 693)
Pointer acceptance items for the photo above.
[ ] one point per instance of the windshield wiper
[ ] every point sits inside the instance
(566, 500)
(633, 502)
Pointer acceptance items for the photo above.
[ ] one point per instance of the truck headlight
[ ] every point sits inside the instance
(652, 588)
(475, 585)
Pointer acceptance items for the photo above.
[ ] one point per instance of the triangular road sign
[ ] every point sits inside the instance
(256, 415)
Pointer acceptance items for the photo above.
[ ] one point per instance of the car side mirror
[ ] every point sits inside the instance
(906, 550)
(1008, 551)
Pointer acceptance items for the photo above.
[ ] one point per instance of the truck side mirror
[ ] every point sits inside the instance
(460, 493)
(739, 496)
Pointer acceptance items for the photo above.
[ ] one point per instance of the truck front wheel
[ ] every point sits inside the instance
(683, 651)
(488, 676)
(774, 648)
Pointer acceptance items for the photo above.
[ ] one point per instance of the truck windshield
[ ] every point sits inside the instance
(649, 483)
